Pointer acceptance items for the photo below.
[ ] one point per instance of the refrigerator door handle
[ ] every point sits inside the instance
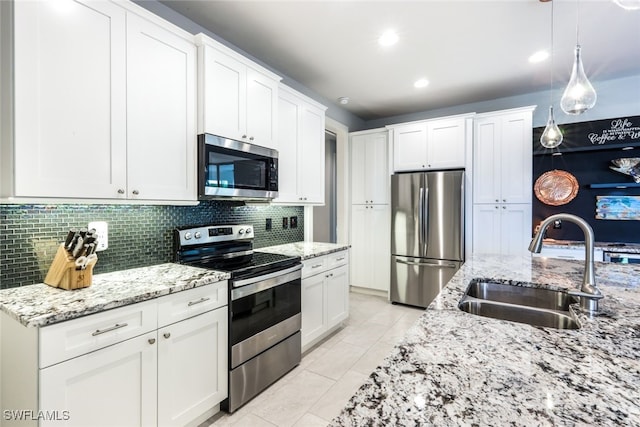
(425, 218)
(426, 264)
(421, 236)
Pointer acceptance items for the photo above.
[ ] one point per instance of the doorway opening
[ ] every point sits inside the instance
(325, 221)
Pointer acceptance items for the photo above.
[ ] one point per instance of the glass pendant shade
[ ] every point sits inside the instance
(551, 137)
(579, 96)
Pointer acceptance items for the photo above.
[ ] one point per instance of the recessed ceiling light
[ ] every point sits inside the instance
(388, 38)
(344, 100)
(420, 83)
(539, 56)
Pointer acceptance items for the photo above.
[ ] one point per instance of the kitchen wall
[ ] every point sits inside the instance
(139, 235)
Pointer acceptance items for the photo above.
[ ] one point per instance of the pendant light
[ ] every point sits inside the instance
(579, 96)
(628, 4)
(551, 137)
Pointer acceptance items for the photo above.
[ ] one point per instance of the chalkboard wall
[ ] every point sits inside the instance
(586, 153)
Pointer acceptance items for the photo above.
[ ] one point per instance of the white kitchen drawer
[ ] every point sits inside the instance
(182, 305)
(313, 266)
(337, 259)
(72, 338)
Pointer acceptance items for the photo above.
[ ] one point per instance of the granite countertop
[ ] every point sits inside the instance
(455, 368)
(633, 248)
(305, 250)
(41, 305)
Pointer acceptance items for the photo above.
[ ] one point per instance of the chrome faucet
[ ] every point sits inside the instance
(589, 293)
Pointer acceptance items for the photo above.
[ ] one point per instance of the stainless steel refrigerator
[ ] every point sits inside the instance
(427, 233)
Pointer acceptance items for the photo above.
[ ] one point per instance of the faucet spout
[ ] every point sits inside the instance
(589, 293)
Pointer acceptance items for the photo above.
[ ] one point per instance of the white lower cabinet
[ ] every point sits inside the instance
(115, 386)
(503, 229)
(325, 296)
(371, 246)
(192, 367)
(160, 362)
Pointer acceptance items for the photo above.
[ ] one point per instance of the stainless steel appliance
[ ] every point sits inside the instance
(622, 257)
(234, 169)
(264, 305)
(427, 233)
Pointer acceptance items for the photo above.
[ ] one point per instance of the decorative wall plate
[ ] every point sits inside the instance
(556, 187)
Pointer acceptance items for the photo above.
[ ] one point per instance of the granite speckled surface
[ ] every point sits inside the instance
(455, 368)
(40, 305)
(305, 250)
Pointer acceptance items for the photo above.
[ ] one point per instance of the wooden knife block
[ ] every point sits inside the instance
(63, 273)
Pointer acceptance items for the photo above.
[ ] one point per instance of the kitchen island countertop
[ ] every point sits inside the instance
(455, 368)
(40, 305)
(305, 250)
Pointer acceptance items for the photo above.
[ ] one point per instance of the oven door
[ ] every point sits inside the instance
(264, 311)
(230, 168)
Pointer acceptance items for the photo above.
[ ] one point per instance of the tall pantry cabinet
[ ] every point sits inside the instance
(502, 167)
(370, 210)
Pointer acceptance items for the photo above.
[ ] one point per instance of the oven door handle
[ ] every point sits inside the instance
(243, 288)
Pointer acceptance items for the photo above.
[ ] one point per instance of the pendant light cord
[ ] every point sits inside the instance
(551, 68)
(577, 22)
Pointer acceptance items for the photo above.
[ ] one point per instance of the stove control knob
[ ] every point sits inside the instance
(187, 236)
(241, 231)
(197, 235)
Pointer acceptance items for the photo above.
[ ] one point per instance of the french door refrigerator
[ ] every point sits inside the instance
(427, 233)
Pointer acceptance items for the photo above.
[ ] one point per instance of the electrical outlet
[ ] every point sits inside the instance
(102, 232)
(285, 223)
(268, 224)
(293, 222)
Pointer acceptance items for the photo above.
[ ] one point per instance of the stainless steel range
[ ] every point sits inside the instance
(264, 304)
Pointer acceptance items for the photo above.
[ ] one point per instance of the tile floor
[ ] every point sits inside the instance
(315, 391)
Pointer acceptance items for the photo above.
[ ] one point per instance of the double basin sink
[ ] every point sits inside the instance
(533, 306)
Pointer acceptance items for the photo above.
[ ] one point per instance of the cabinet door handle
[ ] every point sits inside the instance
(135, 192)
(244, 136)
(113, 328)
(166, 334)
(152, 340)
(120, 191)
(203, 299)
(251, 139)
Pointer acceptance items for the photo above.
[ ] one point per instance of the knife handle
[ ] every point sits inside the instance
(69, 238)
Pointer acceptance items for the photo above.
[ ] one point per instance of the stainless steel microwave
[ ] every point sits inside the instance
(231, 169)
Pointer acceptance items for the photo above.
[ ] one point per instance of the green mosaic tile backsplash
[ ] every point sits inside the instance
(139, 235)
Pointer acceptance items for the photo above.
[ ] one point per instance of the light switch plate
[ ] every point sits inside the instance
(102, 232)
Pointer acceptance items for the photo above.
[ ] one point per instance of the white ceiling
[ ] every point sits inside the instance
(470, 51)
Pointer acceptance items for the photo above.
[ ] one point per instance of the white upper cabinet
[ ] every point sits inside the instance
(104, 104)
(502, 158)
(301, 126)
(432, 144)
(70, 99)
(161, 137)
(410, 147)
(237, 98)
(369, 168)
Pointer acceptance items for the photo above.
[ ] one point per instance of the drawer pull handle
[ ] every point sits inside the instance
(167, 334)
(113, 328)
(340, 259)
(316, 266)
(203, 299)
(152, 340)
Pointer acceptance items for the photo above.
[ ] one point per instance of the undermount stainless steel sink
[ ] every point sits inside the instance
(533, 306)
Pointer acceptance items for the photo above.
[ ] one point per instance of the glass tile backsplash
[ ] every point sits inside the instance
(139, 235)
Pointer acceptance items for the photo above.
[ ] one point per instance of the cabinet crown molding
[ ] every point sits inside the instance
(202, 39)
